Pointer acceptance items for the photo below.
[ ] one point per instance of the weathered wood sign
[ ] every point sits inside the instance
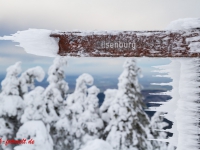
(183, 43)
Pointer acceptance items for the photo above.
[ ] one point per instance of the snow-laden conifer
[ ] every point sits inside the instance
(110, 95)
(81, 122)
(35, 107)
(56, 91)
(11, 107)
(27, 78)
(90, 121)
(128, 128)
(67, 131)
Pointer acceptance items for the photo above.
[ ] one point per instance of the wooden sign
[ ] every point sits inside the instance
(183, 43)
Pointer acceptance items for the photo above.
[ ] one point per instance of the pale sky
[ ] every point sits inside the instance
(94, 14)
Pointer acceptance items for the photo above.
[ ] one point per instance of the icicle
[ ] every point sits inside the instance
(183, 108)
(173, 71)
(187, 114)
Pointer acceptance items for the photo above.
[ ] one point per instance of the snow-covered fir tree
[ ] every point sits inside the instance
(66, 130)
(35, 106)
(81, 122)
(13, 90)
(92, 101)
(46, 105)
(110, 95)
(12, 105)
(76, 106)
(128, 128)
(90, 121)
(157, 126)
(56, 91)
(27, 78)
(11, 102)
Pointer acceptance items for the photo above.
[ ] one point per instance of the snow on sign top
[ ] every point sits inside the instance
(184, 24)
(35, 41)
(181, 39)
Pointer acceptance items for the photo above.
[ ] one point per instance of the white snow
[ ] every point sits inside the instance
(11, 102)
(195, 47)
(97, 144)
(6, 129)
(82, 81)
(35, 106)
(27, 78)
(184, 24)
(11, 105)
(36, 131)
(35, 41)
(10, 83)
(109, 97)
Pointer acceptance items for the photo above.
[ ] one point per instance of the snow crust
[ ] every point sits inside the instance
(184, 24)
(35, 41)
